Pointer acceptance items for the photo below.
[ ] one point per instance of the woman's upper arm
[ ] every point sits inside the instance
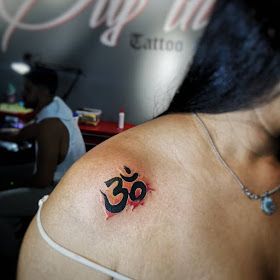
(76, 215)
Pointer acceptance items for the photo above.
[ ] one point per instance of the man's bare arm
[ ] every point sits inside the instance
(48, 137)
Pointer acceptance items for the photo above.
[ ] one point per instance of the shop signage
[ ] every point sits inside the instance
(113, 14)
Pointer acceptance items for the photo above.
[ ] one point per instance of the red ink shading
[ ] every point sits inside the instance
(114, 200)
(135, 204)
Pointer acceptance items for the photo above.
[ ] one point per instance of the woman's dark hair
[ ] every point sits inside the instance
(237, 62)
(43, 77)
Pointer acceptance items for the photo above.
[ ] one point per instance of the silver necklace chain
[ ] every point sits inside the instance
(244, 189)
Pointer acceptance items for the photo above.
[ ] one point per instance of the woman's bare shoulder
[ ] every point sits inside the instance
(130, 196)
(140, 154)
(106, 193)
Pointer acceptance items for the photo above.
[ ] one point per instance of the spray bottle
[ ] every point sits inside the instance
(121, 119)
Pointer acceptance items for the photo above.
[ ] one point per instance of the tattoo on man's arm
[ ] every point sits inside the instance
(128, 189)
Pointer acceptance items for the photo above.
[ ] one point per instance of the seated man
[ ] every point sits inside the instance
(58, 139)
(59, 144)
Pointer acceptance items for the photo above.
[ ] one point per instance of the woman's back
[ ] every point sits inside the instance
(195, 222)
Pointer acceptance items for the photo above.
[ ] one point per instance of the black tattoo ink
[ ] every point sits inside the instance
(127, 170)
(138, 185)
(132, 196)
(117, 190)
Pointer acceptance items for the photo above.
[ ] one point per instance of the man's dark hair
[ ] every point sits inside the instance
(44, 77)
(237, 63)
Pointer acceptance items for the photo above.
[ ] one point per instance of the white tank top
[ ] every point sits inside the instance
(58, 109)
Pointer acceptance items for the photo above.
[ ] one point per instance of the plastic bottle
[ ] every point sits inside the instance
(121, 119)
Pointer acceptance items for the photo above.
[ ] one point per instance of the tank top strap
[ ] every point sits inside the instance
(70, 254)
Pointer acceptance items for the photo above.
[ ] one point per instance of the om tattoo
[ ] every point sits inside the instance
(127, 189)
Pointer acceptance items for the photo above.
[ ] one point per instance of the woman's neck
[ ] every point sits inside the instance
(242, 133)
(249, 143)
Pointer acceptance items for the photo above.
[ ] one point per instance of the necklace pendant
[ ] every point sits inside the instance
(268, 206)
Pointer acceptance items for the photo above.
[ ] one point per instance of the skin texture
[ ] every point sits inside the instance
(197, 224)
(36, 97)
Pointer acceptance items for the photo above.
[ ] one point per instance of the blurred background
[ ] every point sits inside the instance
(127, 54)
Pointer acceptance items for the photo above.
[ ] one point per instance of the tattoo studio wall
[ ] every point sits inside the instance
(132, 53)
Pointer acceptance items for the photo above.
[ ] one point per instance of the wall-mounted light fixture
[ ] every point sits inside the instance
(20, 67)
(24, 66)
(28, 62)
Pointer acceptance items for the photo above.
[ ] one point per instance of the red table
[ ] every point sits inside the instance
(94, 135)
